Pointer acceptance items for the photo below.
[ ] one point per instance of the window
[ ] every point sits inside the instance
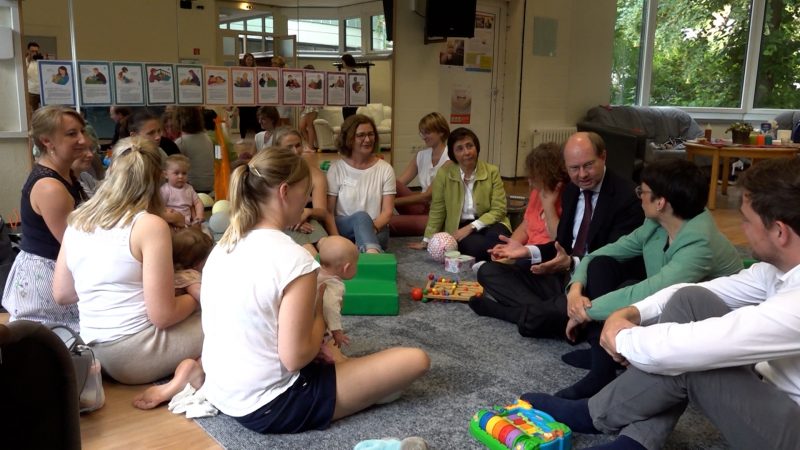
(627, 45)
(379, 40)
(236, 26)
(778, 81)
(352, 34)
(316, 35)
(721, 56)
(255, 25)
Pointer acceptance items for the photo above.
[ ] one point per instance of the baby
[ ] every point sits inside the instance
(338, 258)
(177, 194)
(190, 248)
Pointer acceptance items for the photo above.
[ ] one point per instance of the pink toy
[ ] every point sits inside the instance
(440, 244)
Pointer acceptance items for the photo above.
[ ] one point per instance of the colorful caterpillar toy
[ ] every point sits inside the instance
(519, 427)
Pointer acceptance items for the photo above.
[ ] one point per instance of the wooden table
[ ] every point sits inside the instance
(728, 151)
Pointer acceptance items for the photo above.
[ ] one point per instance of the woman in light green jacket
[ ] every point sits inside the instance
(469, 200)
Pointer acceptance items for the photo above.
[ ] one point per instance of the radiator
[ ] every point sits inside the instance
(559, 135)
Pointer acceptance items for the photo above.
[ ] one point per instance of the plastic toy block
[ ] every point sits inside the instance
(370, 297)
(380, 266)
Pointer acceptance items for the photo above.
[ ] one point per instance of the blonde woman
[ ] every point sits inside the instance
(264, 374)
(116, 263)
(50, 193)
(316, 221)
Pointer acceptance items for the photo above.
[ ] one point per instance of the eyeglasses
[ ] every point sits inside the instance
(370, 135)
(586, 167)
(639, 191)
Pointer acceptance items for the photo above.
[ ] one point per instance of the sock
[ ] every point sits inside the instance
(603, 371)
(581, 358)
(573, 413)
(490, 308)
(621, 443)
(589, 385)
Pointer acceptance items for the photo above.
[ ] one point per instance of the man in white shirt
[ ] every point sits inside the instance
(730, 346)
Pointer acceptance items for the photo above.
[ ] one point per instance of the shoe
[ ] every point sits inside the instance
(477, 266)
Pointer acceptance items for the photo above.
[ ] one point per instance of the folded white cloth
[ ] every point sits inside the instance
(192, 403)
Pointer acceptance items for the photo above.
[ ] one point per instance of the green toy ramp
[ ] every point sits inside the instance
(370, 297)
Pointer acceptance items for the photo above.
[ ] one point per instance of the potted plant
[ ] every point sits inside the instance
(740, 132)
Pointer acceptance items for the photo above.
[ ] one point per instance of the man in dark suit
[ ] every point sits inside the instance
(598, 207)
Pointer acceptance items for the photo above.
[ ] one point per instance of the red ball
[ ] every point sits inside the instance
(416, 294)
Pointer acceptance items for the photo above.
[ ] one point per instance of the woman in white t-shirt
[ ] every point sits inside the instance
(263, 324)
(361, 186)
(413, 207)
(116, 263)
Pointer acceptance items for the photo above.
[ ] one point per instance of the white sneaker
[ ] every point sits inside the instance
(477, 266)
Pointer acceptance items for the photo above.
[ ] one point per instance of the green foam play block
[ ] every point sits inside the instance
(370, 297)
(377, 266)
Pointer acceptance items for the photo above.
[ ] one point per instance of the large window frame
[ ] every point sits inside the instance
(746, 111)
(340, 16)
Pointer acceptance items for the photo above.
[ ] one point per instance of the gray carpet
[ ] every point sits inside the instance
(476, 362)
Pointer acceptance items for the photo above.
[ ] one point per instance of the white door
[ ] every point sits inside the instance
(468, 87)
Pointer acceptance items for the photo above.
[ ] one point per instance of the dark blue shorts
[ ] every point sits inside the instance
(307, 405)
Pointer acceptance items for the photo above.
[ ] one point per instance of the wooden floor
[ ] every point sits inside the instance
(120, 425)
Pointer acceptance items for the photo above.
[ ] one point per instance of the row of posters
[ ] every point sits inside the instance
(128, 83)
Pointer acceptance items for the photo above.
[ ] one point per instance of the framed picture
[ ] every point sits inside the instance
(336, 88)
(357, 88)
(96, 82)
(128, 83)
(267, 86)
(314, 84)
(244, 89)
(291, 81)
(218, 85)
(55, 82)
(160, 84)
(190, 84)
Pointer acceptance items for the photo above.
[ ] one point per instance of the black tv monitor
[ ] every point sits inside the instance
(445, 19)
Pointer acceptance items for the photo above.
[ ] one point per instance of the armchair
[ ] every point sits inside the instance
(328, 124)
(382, 115)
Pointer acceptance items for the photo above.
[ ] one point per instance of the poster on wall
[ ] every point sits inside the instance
(336, 88)
(244, 90)
(315, 84)
(160, 84)
(190, 84)
(479, 50)
(128, 85)
(452, 52)
(267, 90)
(357, 89)
(95, 82)
(292, 89)
(460, 105)
(55, 83)
(218, 86)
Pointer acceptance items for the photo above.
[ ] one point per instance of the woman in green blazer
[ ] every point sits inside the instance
(469, 200)
(679, 242)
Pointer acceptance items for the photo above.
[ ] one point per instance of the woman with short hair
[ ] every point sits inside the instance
(469, 199)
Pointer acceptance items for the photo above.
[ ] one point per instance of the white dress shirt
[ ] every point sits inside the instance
(763, 328)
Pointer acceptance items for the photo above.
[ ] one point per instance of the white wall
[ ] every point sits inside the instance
(537, 91)
(140, 30)
(557, 90)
